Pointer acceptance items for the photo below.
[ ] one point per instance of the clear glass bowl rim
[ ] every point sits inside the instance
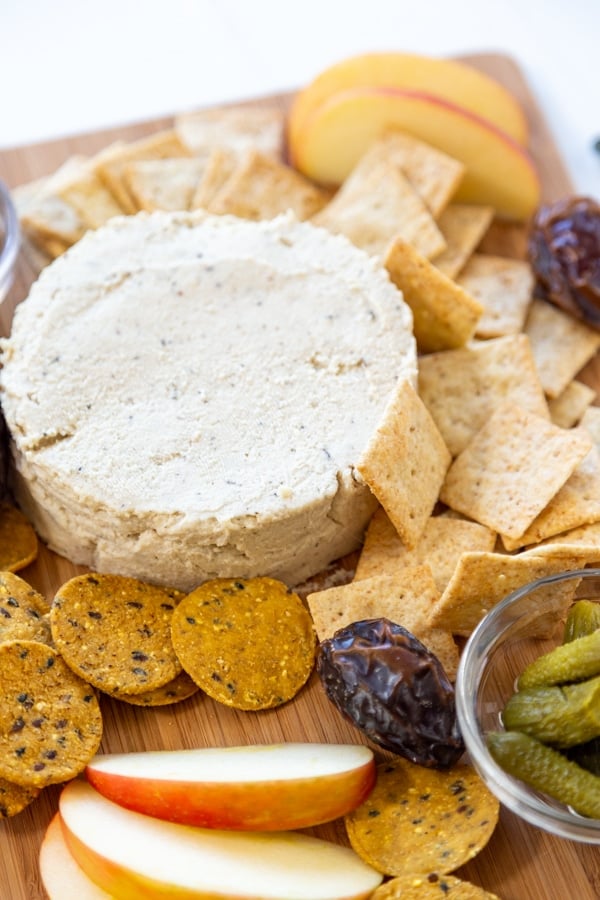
(515, 795)
(10, 249)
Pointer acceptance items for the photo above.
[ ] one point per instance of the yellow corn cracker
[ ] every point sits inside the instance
(14, 798)
(569, 407)
(50, 722)
(511, 469)
(23, 611)
(504, 288)
(18, 540)
(167, 184)
(481, 580)
(262, 188)
(418, 820)
(405, 462)
(405, 598)
(463, 226)
(116, 632)
(461, 388)
(432, 886)
(434, 175)
(377, 203)
(561, 345)
(440, 546)
(445, 316)
(249, 644)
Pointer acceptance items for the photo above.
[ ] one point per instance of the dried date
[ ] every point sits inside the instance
(388, 684)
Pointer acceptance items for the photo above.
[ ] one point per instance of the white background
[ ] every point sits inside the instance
(68, 66)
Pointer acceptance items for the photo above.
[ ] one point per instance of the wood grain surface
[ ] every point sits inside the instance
(520, 862)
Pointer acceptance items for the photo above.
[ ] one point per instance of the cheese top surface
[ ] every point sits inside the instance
(181, 377)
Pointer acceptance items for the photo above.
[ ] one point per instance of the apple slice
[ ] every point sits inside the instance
(499, 172)
(131, 855)
(446, 79)
(273, 787)
(62, 878)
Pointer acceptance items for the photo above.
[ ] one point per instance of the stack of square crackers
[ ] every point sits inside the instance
(487, 471)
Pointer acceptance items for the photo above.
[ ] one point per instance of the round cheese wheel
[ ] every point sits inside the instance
(187, 396)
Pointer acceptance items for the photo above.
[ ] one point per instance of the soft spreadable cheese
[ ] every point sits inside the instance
(187, 396)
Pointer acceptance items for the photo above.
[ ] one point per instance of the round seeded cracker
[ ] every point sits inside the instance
(18, 540)
(23, 612)
(50, 721)
(430, 887)
(180, 688)
(419, 820)
(249, 643)
(14, 798)
(116, 632)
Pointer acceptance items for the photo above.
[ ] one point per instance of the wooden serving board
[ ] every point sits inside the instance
(520, 861)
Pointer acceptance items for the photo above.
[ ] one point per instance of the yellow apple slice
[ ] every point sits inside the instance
(499, 172)
(446, 79)
(132, 855)
(61, 876)
(270, 787)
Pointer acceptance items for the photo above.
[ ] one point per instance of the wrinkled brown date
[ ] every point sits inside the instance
(564, 251)
(394, 689)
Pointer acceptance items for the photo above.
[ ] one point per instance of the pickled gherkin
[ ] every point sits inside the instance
(562, 716)
(547, 770)
(587, 755)
(583, 618)
(575, 661)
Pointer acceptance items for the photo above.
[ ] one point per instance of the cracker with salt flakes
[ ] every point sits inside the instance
(237, 129)
(461, 388)
(481, 580)
(444, 315)
(434, 175)
(512, 468)
(405, 462)
(440, 546)
(262, 188)
(504, 287)
(576, 503)
(568, 408)
(110, 165)
(405, 598)
(217, 170)
(561, 345)
(375, 204)
(463, 226)
(167, 184)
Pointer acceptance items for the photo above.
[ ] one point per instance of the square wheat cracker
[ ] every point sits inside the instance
(405, 462)
(261, 188)
(236, 129)
(444, 315)
(110, 165)
(434, 175)
(404, 598)
(504, 287)
(481, 580)
(461, 388)
(440, 546)
(576, 503)
(167, 184)
(591, 421)
(463, 226)
(568, 408)
(50, 222)
(377, 203)
(218, 169)
(512, 468)
(561, 345)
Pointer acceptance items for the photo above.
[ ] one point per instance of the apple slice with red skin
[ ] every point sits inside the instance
(62, 878)
(133, 856)
(270, 787)
(499, 172)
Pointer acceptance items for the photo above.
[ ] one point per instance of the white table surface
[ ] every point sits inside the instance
(68, 66)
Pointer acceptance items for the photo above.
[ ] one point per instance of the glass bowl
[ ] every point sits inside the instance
(511, 635)
(9, 240)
